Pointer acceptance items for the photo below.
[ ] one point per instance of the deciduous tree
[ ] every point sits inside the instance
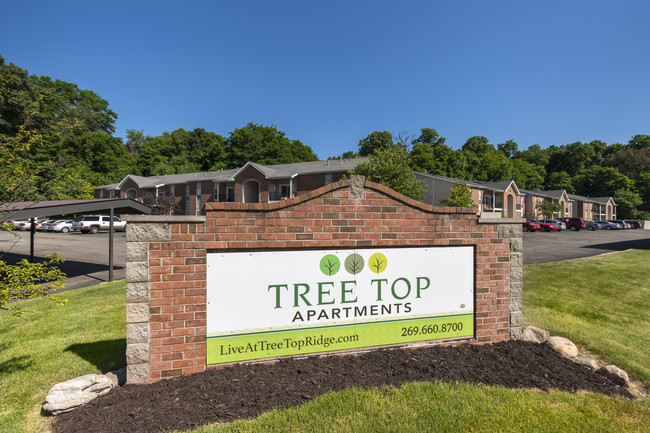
(265, 145)
(390, 167)
(377, 140)
(460, 195)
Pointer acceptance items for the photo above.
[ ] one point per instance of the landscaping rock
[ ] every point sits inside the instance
(563, 346)
(536, 335)
(117, 377)
(67, 396)
(586, 361)
(615, 374)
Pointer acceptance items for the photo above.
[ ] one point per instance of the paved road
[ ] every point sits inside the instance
(541, 247)
(86, 256)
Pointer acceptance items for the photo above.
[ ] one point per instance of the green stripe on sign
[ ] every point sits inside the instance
(273, 344)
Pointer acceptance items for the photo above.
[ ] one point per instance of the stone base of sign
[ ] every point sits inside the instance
(166, 261)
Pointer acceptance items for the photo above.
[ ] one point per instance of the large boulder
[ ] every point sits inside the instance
(615, 374)
(536, 335)
(563, 346)
(66, 396)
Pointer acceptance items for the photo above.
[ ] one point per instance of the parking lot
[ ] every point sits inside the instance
(542, 247)
(86, 255)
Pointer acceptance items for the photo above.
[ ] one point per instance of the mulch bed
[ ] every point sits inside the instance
(248, 390)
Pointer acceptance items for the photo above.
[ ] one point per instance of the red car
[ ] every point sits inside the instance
(530, 225)
(547, 227)
(574, 224)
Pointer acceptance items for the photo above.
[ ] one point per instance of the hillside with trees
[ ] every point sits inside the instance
(592, 169)
(77, 143)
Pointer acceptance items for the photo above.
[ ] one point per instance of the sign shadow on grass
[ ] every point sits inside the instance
(72, 268)
(106, 355)
(636, 244)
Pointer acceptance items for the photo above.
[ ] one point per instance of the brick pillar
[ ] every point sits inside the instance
(165, 270)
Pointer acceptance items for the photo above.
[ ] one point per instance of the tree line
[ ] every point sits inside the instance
(65, 137)
(592, 169)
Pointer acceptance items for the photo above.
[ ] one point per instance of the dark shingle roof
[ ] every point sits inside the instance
(279, 171)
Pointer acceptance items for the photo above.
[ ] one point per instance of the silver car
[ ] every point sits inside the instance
(560, 225)
(609, 225)
(63, 226)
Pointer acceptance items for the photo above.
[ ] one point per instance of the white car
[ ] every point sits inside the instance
(95, 223)
(26, 224)
(63, 226)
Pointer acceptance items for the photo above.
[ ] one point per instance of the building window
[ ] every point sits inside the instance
(112, 194)
(187, 199)
(285, 191)
(198, 199)
(172, 191)
(487, 201)
(230, 194)
(328, 178)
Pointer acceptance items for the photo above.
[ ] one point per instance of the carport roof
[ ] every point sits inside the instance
(30, 209)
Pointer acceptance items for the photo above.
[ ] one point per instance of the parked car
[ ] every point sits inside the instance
(574, 224)
(95, 223)
(19, 224)
(609, 225)
(594, 225)
(26, 224)
(42, 225)
(560, 225)
(63, 226)
(622, 223)
(634, 224)
(530, 225)
(547, 227)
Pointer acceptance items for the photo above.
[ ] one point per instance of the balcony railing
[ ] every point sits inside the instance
(497, 206)
(279, 195)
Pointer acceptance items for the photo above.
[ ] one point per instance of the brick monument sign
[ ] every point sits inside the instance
(346, 267)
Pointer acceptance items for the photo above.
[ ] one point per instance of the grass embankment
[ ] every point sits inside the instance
(600, 303)
(54, 343)
(429, 407)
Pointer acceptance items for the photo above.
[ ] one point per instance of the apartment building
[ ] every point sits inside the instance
(494, 199)
(252, 183)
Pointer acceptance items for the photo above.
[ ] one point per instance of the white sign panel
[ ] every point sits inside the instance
(261, 301)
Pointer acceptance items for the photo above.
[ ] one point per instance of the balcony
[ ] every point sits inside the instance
(279, 195)
(497, 206)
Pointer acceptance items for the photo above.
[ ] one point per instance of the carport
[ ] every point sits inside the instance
(111, 206)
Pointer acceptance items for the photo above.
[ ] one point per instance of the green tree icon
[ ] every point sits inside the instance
(330, 264)
(377, 263)
(354, 264)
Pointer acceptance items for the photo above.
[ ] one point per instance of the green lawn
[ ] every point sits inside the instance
(54, 343)
(600, 303)
(429, 407)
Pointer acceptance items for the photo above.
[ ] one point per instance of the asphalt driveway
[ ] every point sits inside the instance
(542, 247)
(86, 255)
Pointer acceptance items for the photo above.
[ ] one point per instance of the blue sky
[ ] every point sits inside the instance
(329, 73)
